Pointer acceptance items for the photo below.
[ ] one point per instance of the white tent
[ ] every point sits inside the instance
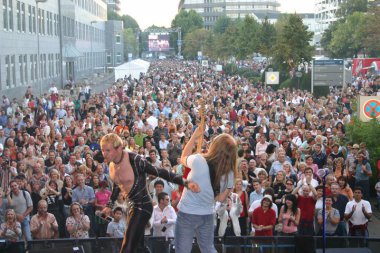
(133, 68)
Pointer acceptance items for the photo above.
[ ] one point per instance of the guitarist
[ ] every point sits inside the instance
(214, 172)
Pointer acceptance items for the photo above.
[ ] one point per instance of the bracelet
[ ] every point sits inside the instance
(186, 184)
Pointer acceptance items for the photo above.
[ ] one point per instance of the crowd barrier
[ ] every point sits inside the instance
(277, 244)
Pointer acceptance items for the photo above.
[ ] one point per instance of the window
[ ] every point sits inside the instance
(118, 57)
(26, 68)
(39, 21)
(34, 18)
(8, 15)
(118, 39)
(108, 58)
(31, 62)
(35, 68)
(8, 72)
(30, 18)
(13, 65)
(43, 21)
(21, 66)
(18, 12)
(23, 17)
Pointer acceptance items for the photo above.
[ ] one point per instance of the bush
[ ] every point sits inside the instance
(368, 132)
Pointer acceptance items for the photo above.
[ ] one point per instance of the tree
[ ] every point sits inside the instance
(128, 21)
(197, 40)
(372, 38)
(221, 24)
(348, 38)
(267, 36)
(248, 38)
(188, 21)
(292, 42)
(130, 43)
(327, 37)
(348, 7)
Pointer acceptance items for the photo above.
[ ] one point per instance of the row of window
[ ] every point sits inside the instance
(47, 22)
(21, 70)
(92, 7)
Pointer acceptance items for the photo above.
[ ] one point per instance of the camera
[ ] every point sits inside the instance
(163, 229)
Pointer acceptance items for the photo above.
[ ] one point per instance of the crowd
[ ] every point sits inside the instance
(55, 183)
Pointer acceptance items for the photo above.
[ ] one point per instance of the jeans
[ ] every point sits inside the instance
(25, 226)
(188, 225)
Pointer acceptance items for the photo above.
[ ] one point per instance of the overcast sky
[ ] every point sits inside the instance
(161, 13)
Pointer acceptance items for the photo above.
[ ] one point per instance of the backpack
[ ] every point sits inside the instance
(23, 193)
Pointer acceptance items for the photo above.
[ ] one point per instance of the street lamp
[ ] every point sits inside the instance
(38, 45)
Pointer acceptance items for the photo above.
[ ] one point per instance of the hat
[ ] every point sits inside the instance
(355, 146)
(328, 130)
(268, 197)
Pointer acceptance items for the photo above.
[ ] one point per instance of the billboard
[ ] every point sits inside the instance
(158, 42)
(360, 66)
(328, 73)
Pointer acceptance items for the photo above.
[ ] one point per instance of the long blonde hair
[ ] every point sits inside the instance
(222, 155)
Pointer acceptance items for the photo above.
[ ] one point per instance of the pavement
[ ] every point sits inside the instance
(374, 224)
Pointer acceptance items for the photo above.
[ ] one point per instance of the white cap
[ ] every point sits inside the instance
(268, 197)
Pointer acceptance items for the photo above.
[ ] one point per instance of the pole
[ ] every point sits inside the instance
(60, 42)
(38, 50)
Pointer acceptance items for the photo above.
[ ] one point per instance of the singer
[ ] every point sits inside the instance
(128, 172)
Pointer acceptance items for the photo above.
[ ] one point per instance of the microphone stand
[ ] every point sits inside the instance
(324, 212)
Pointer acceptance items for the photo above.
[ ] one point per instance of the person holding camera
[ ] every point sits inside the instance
(164, 217)
(363, 172)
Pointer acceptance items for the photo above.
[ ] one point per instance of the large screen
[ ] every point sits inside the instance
(158, 42)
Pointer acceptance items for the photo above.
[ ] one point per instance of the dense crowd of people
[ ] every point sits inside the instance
(55, 183)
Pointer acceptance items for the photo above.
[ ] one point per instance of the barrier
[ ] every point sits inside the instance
(249, 244)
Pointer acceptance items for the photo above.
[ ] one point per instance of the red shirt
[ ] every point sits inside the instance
(307, 206)
(259, 217)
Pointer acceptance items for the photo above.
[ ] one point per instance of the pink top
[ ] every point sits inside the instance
(103, 197)
(288, 226)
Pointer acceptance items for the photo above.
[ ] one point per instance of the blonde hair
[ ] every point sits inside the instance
(222, 155)
(10, 211)
(113, 139)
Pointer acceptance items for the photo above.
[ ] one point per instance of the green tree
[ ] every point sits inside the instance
(188, 21)
(372, 38)
(197, 40)
(221, 24)
(292, 42)
(128, 21)
(347, 40)
(348, 7)
(130, 43)
(327, 37)
(266, 38)
(248, 38)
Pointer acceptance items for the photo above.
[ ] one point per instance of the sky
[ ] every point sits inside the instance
(161, 13)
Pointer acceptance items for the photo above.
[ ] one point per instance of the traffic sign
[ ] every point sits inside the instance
(298, 74)
(371, 108)
(272, 77)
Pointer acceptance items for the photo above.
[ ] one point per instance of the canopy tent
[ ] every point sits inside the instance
(133, 68)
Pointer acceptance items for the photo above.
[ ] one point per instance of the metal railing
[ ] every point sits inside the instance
(277, 244)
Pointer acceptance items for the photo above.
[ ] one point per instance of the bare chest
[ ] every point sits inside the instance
(123, 175)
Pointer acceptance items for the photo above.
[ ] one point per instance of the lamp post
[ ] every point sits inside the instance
(38, 45)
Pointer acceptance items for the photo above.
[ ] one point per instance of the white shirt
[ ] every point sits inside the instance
(158, 215)
(152, 121)
(358, 218)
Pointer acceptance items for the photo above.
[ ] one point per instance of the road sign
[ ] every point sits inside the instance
(272, 77)
(368, 108)
(298, 74)
(205, 63)
(371, 108)
(327, 73)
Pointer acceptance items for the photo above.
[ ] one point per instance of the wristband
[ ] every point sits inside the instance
(186, 184)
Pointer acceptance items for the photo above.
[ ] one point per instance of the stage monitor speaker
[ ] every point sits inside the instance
(73, 249)
(345, 250)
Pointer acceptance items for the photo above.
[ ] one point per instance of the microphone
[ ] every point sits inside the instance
(323, 172)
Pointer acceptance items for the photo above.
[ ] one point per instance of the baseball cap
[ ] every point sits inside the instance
(268, 197)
